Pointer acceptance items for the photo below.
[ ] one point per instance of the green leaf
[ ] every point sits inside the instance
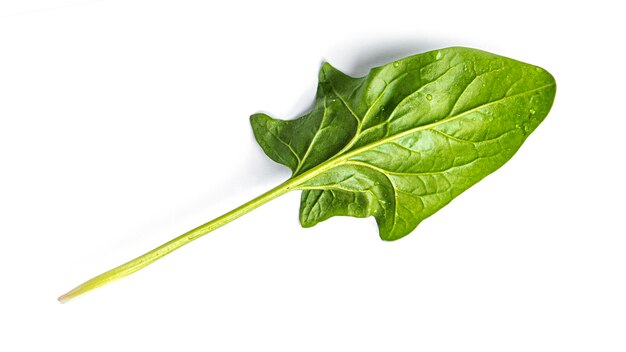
(403, 141)
(397, 144)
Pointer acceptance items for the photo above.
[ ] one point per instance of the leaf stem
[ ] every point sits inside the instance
(161, 251)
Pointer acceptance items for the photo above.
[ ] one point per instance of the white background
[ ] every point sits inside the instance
(125, 123)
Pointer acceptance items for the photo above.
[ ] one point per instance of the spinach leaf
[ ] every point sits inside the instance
(403, 141)
(397, 144)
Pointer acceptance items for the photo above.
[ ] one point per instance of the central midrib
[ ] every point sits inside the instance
(340, 158)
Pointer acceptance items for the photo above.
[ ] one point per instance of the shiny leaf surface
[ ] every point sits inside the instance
(403, 141)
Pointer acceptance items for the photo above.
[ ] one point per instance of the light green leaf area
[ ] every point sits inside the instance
(403, 141)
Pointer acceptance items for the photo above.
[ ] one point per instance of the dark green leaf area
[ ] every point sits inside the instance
(403, 141)
(310, 140)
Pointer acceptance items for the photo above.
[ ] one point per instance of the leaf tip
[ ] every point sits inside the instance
(387, 237)
(254, 118)
(258, 121)
(305, 223)
(327, 72)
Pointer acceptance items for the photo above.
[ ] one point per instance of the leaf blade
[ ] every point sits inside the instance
(424, 129)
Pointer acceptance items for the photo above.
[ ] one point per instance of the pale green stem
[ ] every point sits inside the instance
(159, 252)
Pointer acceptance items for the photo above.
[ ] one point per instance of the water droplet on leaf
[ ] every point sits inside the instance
(429, 97)
(439, 55)
(396, 64)
(526, 129)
